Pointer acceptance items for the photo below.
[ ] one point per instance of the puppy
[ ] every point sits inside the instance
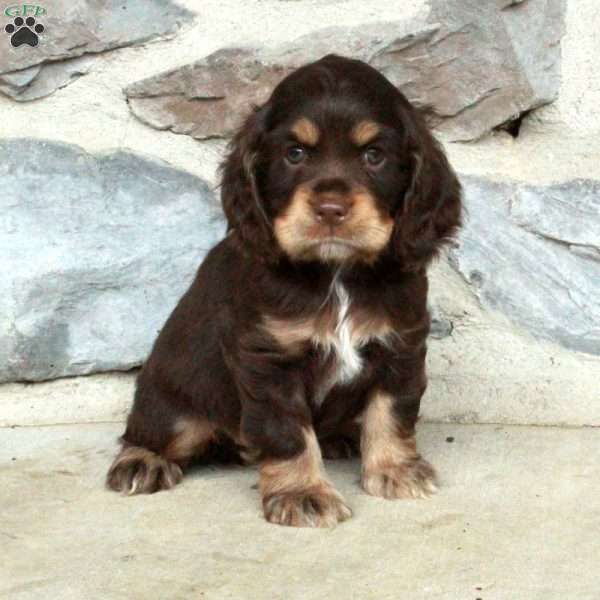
(303, 335)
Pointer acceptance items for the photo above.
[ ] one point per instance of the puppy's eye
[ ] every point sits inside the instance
(295, 154)
(373, 156)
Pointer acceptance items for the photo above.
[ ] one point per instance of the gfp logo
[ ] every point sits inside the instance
(24, 29)
(24, 10)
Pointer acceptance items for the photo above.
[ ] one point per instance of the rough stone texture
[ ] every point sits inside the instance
(533, 252)
(443, 58)
(577, 108)
(530, 252)
(489, 369)
(516, 518)
(95, 251)
(440, 326)
(42, 80)
(492, 370)
(77, 28)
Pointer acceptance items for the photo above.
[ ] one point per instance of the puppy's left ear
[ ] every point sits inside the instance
(430, 213)
(240, 196)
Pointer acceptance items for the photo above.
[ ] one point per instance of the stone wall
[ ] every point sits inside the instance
(112, 126)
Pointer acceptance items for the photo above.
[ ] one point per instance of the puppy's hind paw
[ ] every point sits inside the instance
(138, 470)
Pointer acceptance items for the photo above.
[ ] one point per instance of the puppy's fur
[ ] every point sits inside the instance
(304, 331)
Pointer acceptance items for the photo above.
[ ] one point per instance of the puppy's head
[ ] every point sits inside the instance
(337, 166)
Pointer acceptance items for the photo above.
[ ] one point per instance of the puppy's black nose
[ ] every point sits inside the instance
(331, 209)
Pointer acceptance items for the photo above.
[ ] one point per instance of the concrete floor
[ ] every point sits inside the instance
(518, 517)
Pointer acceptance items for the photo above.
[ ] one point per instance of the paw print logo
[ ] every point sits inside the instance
(24, 31)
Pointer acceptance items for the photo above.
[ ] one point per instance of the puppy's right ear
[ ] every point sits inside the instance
(431, 211)
(240, 196)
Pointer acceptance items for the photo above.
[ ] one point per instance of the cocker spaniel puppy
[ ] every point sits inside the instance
(304, 333)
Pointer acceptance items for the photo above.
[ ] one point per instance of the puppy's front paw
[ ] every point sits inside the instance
(317, 507)
(139, 471)
(414, 478)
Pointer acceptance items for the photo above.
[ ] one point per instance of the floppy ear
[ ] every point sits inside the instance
(430, 213)
(240, 196)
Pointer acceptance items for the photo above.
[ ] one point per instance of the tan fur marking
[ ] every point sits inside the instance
(371, 227)
(365, 232)
(367, 327)
(364, 132)
(290, 226)
(296, 492)
(306, 132)
(391, 466)
(381, 443)
(290, 334)
(300, 472)
(191, 437)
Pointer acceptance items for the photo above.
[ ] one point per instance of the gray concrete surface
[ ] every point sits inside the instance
(517, 518)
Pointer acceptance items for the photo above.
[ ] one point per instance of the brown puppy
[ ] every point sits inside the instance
(304, 332)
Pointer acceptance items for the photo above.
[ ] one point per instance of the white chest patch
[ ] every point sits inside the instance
(346, 338)
(342, 340)
(339, 334)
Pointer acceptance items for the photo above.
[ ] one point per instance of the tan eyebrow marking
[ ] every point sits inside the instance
(306, 131)
(364, 132)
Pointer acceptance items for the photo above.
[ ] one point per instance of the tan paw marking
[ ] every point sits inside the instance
(139, 471)
(392, 467)
(296, 492)
(322, 507)
(412, 479)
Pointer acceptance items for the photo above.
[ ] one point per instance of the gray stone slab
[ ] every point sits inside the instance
(533, 253)
(516, 517)
(42, 80)
(95, 251)
(82, 27)
(478, 65)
